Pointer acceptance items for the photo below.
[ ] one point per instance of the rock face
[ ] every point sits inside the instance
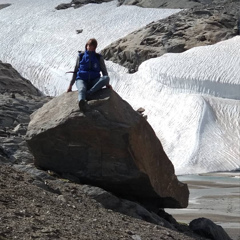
(12, 81)
(190, 28)
(18, 99)
(110, 146)
(206, 228)
(141, 3)
(78, 3)
(165, 3)
(4, 5)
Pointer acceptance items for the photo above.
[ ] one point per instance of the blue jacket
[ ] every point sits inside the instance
(89, 67)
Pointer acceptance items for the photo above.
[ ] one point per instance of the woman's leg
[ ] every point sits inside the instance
(98, 83)
(82, 89)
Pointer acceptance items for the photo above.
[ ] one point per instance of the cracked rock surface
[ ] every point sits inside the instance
(198, 26)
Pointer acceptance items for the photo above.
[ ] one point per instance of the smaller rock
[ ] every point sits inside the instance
(20, 129)
(63, 6)
(3, 133)
(206, 228)
(140, 110)
(136, 237)
(129, 232)
(61, 198)
(79, 31)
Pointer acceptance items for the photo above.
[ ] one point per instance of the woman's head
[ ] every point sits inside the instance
(91, 44)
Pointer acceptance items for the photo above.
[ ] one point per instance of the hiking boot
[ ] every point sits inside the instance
(82, 105)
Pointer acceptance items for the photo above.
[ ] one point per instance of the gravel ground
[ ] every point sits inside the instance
(58, 209)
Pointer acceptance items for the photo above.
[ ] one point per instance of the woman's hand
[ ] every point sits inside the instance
(69, 89)
(109, 86)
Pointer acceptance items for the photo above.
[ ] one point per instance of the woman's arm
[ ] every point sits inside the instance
(103, 66)
(74, 75)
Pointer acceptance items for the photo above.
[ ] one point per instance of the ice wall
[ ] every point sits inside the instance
(192, 102)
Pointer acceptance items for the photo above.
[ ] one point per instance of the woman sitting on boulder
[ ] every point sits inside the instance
(87, 73)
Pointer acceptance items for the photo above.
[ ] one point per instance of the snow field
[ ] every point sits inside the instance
(191, 99)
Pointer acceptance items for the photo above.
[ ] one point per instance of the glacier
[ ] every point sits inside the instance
(192, 99)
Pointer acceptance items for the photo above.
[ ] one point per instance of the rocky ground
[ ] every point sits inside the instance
(32, 208)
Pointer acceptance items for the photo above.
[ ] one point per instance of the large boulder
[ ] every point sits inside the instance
(110, 146)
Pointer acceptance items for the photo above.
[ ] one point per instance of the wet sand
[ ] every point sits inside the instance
(215, 196)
